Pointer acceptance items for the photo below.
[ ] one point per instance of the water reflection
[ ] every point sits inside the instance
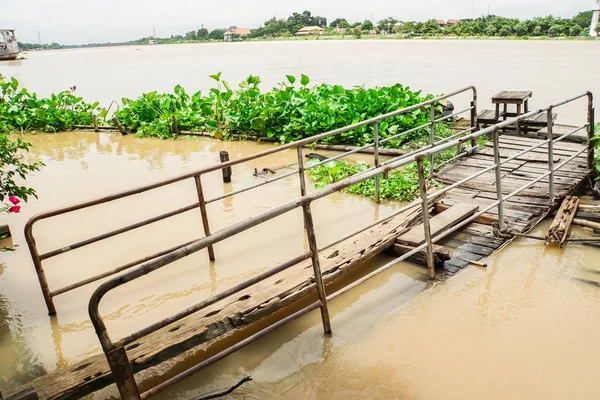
(18, 364)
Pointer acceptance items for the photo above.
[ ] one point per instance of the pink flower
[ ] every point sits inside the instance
(14, 199)
(14, 209)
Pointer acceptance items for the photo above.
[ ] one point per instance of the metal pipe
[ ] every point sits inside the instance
(474, 121)
(117, 270)
(354, 151)
(204, 212)
(550, 156)
(314, 248)
(444, 140)
(404, 133)
(122, 373)
(116, 232)
(425, 215)
(301, 171)
(39, 270)
(591, 122)
(450, 116)
(247, 188)
(376, 161)
(499, 194)
(198, 367)
(432, 142)
(212, 300)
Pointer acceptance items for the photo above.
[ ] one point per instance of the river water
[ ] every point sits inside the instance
(523, 328)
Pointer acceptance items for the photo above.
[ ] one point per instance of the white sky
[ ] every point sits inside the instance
(87, 21)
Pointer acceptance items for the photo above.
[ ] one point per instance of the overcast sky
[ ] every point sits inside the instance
(87, 21)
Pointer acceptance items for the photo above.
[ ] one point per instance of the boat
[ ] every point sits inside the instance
(9, 48)
(152, 42)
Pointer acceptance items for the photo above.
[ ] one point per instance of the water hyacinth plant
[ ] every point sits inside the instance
(22, 110)
(286, 113)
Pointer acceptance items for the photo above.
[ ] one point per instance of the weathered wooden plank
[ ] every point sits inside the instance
(562, 223)
(441, 222)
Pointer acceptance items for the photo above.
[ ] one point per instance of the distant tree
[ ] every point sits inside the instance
(357, 32)
(537, 31)
(387, 25)
(430, 28)
(555, 30)
(367, 25)
(490, 31)
(583, 19)
(341, 22)
(202, 34)
(521, 29)
(575, 30)
(505, 31)
(216, 34)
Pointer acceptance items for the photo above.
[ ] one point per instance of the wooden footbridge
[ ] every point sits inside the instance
(507, 182)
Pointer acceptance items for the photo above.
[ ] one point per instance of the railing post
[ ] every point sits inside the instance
(550, 156)
(591, 122)
(425, 211)
(200, 191)
(432, 138)
(312, 243)
(39, 269)
(122, 373)
(474, 122)
(376, 151)
(499, 194)
(301, 171)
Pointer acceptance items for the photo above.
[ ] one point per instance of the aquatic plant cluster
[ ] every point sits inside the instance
(286, 113)
(22, 110)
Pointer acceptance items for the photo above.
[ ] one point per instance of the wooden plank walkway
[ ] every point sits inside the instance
(522, 212)
(473, 242)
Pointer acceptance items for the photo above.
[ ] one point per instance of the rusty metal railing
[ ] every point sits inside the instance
(115, 351)
(202, 202)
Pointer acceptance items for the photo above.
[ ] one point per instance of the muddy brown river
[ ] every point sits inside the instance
(524, 328)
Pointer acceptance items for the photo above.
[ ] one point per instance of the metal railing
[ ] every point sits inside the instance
(202, 202)
(116, 352)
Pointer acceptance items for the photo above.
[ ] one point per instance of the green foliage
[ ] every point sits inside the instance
(289, 112)
(12, 166)
(21, 110)
(282, 27)
(596, 143)
(401, 184)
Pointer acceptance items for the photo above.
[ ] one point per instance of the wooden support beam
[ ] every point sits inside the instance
(561, 225)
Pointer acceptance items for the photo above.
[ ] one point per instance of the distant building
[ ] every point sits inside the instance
(237, 33)
(451, 22)
(340, 30)
(441, 23)
(310, 30)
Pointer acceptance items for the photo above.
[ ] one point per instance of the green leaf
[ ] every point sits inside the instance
(216, 77)
(304, 80)
(291, 79)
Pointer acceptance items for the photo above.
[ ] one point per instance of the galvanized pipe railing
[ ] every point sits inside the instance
(201, 204)
(115, 352)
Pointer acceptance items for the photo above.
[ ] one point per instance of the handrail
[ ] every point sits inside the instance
(202, 202)
(115, 351)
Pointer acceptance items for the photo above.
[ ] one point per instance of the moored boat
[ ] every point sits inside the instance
(9, 48)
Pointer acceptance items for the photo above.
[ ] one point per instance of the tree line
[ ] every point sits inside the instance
(491, 25)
